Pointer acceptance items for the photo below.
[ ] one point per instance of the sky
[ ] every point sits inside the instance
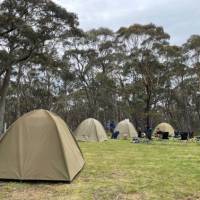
(180, 18)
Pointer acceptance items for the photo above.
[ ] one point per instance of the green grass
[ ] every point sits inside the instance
(119, 170)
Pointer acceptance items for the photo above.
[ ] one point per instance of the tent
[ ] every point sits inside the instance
(164, 127)
(126, 129)
(1, 135)
(90, 130)
(39, 146)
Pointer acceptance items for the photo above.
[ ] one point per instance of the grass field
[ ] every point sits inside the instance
(119, 170)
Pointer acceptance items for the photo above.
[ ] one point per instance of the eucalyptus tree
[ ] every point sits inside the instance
(192, 82)
(92, 58)
(80, 58)
(27, 27)
(108, 50)
(180, 99)
(174, 70)
(142, 44)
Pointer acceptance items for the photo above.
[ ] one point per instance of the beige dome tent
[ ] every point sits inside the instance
(39, 146)
(164, 127)
(1, 136)
(126, 129)
(90, 130)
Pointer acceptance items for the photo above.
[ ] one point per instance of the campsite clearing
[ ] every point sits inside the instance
(120, 170)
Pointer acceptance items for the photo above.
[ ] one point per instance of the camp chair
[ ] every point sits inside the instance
(165, 136)
(184, 136)
(115, 135)
(177, 134)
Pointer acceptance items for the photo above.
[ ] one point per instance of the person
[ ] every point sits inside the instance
(115, 134)
(112, 126)
(148, 132)
(139, 131)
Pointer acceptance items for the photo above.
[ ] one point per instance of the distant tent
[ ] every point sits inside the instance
(90, 130)
(126, 129)
(39, 146)
(164, 127)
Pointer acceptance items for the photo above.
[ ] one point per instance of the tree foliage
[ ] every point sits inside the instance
(47, 62)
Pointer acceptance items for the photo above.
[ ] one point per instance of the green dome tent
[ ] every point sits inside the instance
(164, 127)
(90, 130)
(126, 129)
(39, 146)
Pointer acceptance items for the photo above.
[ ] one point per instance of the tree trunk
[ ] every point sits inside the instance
(18, 91)
(187, 116)
(148, 108)
(49, 91)
(3, 94)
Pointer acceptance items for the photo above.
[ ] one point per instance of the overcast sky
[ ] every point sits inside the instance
(180, 18)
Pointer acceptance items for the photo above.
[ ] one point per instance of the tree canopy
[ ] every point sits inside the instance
(47, 61)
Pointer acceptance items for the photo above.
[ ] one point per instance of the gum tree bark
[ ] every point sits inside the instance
(3, 94)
